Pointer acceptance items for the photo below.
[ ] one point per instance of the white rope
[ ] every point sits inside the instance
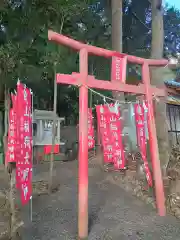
(117, 101)
(108, 98)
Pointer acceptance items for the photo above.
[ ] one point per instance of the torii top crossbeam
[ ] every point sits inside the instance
(63, 40)
(84, 81)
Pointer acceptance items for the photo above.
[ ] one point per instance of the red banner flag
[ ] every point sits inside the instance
(10, 152)
(104, 130)
(11, 143)
(24, 140)
(111, 135)
(116, 136)
(91, 140)
(141, 139)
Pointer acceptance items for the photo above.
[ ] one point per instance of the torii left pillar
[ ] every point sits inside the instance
(83, 148)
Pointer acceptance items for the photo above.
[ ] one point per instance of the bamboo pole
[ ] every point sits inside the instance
(54, 122)
(53, 134)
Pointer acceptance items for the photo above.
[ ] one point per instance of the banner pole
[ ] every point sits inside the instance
(31, 218)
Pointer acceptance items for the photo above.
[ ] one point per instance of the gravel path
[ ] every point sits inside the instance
(113, 213)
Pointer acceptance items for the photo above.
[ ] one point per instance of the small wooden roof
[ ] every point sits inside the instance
(45, 115)
(173, 99)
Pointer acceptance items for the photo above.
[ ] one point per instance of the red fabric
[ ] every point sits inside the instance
(91, 141)
(116, 136)
(24, 143)
(141, 138)
(48, 149)
(111, 137)
(116, 69)
(11, 144)
(104, 132)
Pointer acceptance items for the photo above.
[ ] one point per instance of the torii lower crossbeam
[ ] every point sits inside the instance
(84, 81)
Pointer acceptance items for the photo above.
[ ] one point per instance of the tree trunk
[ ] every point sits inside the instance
(117, 35)
(116, 6)
(50, 185)
(1, 122)
(157, 78)
(53, 134)
(6, 114)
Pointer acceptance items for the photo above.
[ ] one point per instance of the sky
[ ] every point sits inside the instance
(175, 3)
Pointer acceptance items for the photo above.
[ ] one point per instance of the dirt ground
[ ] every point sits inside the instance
(4, 204)
(113, 213)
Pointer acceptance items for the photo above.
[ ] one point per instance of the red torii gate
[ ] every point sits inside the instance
(83, 81)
